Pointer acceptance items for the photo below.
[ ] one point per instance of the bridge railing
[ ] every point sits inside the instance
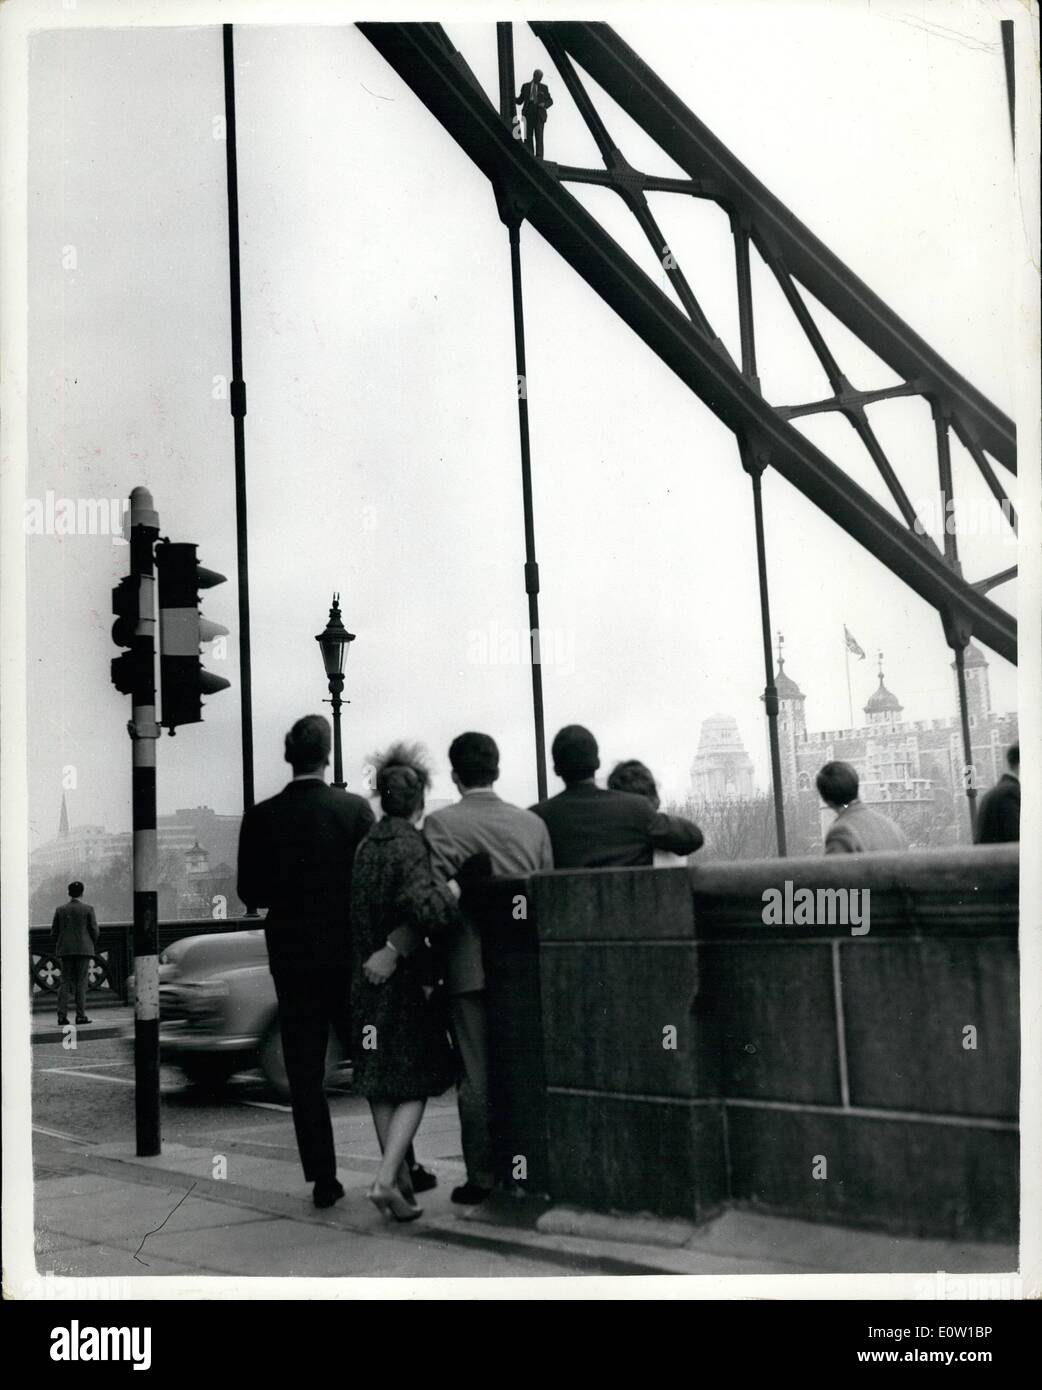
(676, 1041)
(112, 966)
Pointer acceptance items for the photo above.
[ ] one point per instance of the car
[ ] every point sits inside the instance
(219, 1014)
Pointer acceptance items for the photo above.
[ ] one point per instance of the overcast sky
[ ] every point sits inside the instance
(382, 449)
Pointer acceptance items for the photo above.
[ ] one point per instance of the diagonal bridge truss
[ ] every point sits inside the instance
(533, 190)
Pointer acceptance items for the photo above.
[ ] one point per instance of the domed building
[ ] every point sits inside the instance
(792, 720)
(722, 769)
(897, 760)
(883, 705)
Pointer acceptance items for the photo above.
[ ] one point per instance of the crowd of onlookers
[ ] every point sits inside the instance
(369, 931)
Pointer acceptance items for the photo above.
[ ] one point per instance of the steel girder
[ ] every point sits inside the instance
(647, 100)
(525, 188)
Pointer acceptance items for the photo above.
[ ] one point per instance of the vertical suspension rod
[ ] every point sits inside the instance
(967, 742)
(237, 401)
(754, 463)
(531, 565)
(770, 692)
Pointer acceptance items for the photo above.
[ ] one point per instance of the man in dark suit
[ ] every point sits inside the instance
(998, 820)
(74, 939)
(296, 854)
(593, 828)
(535, 100)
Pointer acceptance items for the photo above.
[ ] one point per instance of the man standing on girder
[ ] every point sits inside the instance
(535, 100)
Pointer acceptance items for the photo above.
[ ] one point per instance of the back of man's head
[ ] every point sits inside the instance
(475, 759)
(538, 74)
(1013, 756)
(837, 783)
(76, 889)
(307, 744)
(575, 754)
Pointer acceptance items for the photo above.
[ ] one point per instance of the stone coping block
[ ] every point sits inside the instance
(951, 892)
(613, 905)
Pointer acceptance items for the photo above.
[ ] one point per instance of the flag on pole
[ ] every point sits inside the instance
(852, 645)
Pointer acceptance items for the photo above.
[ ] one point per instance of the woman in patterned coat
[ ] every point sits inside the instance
(402, 1051)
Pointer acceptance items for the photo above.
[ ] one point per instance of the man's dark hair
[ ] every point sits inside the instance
(537, 74)
(837, 783)
(308, 742)
(474, 759)
(633, 776)
(75, 889)
(1013, 754)
(575, 754)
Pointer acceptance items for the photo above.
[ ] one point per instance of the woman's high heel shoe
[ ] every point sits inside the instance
(390, 1202)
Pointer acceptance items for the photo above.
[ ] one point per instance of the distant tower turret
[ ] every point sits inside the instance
(883, 705)
(63, 819)
(792, 722)
(197, 861)
(978, 692)
(791, 698)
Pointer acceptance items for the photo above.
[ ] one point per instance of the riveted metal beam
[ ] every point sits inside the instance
(644, 97)
(420, 57)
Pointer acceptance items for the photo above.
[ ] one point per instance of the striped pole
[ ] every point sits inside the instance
(143, 729)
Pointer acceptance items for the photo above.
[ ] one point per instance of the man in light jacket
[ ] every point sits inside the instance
(516, 842)
(857, 829)
(74, 940)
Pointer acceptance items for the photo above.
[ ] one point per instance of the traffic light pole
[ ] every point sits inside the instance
(144, 731)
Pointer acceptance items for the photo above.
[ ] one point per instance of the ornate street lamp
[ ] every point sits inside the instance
(334, 642)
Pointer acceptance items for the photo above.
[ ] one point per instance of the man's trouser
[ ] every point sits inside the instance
(534, 133)
(73, 978)
(470, 1033)
(314, 996)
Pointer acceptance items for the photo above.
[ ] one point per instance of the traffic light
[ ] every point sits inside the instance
(126, 668)
(182, 630)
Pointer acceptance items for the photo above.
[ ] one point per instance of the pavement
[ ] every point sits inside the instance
(108, 1021)
(238, 1206)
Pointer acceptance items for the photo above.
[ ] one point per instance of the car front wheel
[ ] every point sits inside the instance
(209, 1072)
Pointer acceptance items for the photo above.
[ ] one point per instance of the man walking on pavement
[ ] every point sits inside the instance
(296, 854)
(74, 939)
(516, 842)
(535, 100)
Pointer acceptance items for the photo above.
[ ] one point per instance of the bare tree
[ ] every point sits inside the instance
(743, 828)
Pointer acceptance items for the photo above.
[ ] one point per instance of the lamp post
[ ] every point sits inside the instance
(334, 643)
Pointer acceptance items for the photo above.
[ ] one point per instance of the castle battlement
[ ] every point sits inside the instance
(897, 759)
